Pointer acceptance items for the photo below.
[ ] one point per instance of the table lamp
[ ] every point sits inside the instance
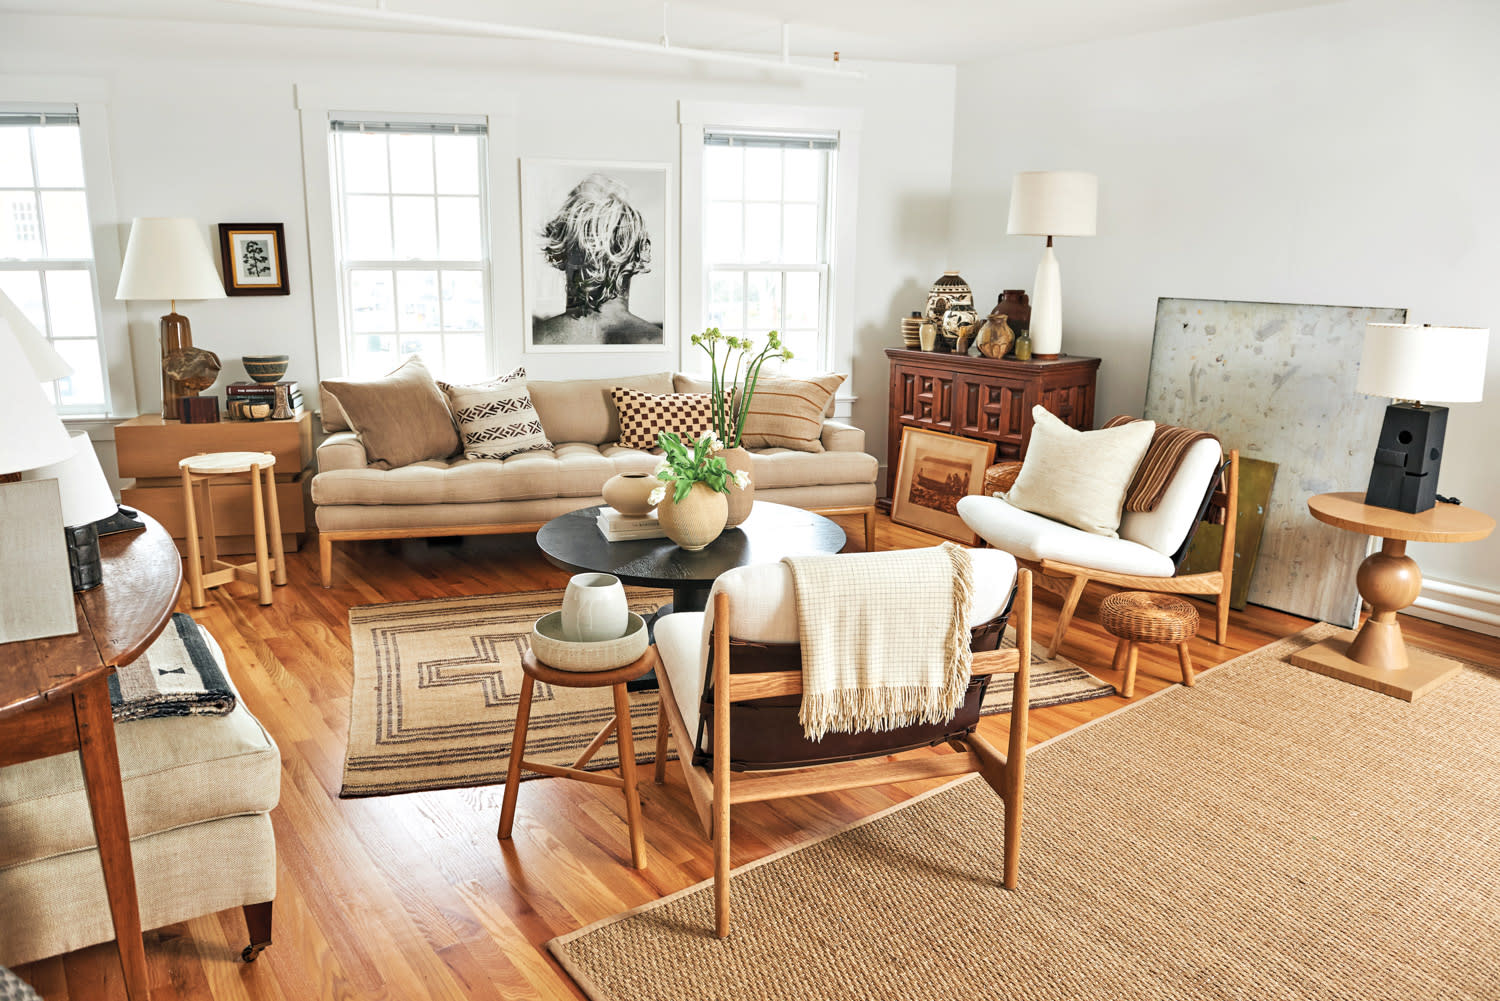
(1051, 203)
(169, 259)
(1411, 364)
(45, 361)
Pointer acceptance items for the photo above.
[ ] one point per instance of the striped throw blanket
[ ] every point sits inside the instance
(885, 639)
(178, 675)
(1159, 465)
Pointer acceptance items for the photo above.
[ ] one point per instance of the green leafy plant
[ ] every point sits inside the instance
(731, 358)
(681, 467)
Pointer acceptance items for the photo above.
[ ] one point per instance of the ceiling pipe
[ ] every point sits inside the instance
(453, 25)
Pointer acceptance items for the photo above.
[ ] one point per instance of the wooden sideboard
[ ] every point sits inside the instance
(983, 398)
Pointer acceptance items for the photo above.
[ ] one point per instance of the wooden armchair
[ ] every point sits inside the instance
(734, 713)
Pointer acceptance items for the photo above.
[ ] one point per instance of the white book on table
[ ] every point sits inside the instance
(617, 527)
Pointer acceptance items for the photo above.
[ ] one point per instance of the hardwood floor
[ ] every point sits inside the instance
(413, 896)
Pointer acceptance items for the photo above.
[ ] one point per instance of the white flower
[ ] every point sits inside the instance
(657, 496)
(741, 479)
(714, 444)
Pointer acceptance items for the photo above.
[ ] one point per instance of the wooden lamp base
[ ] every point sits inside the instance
(176, 333)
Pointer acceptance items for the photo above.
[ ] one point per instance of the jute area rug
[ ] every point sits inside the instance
(1269, 834)
(436, 684)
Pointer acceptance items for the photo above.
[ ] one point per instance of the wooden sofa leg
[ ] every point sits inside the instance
(1222, 636)
(1065, 617)
(258, 919)
(869, 529)
(325, 559)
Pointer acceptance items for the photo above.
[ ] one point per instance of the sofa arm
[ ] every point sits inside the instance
(838, 437)
(343, 450)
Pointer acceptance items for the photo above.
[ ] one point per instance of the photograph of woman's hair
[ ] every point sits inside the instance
(600, 242)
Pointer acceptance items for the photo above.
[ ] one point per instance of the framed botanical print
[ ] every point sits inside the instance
(254, 256)
(935, 470)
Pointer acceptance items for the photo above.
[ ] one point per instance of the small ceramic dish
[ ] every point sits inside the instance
(552, 649)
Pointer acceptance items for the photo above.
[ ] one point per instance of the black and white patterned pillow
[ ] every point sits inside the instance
(645, 415)
(496, 419)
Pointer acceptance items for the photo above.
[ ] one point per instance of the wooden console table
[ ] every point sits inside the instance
(54, 699)
(985, 398)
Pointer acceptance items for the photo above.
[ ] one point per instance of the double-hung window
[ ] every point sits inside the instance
(410, 206)
(46, 250)
(767, 234)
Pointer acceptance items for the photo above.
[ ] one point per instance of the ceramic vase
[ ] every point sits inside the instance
(697, 520)
(929, 335)
(948, 291)
(630, 493)
(594, 608)
(1017, 309)
(740, 501)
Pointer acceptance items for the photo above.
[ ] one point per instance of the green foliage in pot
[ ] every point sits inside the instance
(682, 467)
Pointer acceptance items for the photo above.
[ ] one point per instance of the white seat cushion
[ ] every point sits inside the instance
(679, 643)
(1032, 537)
(1165, 528)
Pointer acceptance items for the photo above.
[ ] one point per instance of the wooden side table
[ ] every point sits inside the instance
(1377, 657)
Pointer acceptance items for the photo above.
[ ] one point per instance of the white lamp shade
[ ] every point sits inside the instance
(86, 496)
(168, 259)
(45, 361)
(31, 433)
(1437, 364)
(1054, 203)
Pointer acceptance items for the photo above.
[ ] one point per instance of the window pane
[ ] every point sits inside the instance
(59, 157)
(802, 299)
(24, 288)
(723, 172)
(20, 230)
(416, 228)
(804, 169)
(726, 299)
(799, 236)
(371, 307)
(15, 158)
(722, 237)
(373, 356)
(367, 222)
(364, 163)
(66, 214)
(86, 385)
(429, 346)
(70, 297)
(411, 164)
(463, 301)
(458, 229)
(762, 233)
(463, 356)
(762, 173)
(763, 297)
(416, 294)
(457, 164)
(804, 347)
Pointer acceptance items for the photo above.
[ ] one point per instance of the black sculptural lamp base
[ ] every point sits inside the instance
(1404, 476)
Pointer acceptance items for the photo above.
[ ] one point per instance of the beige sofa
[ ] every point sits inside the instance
(520, 494)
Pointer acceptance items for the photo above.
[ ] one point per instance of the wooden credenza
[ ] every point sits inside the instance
(984, 398)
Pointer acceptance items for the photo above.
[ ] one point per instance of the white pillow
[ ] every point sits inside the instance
(496, 419)
(1079, 477)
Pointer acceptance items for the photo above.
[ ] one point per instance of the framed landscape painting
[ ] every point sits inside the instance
(935, 470)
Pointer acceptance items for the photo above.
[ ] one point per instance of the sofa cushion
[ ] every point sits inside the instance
(1165, 528)
(175, 770)
(1032, 537)
(401, 418)
(496, 419)
(583, 410)
(784, 412)
(1079, 477)
(646, 416)
(773, 468)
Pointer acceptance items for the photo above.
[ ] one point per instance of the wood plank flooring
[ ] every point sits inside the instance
(410, 897)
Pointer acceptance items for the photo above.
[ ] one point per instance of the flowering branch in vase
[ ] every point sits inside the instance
(729, 398)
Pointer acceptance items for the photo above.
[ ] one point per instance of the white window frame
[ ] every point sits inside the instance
(91, 97)
(696, 117)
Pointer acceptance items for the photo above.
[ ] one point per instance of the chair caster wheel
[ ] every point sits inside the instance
(250, 952)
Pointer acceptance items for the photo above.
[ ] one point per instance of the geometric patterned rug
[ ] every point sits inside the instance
(436, 684)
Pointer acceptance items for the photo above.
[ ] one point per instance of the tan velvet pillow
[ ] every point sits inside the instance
(784, 412)
(584, 409)
(401, 418)
(1079, 477)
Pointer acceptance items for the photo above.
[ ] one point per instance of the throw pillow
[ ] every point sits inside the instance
(401, 418)
(1079, 477)
(784, 412)
(645, 415)
(496, 419)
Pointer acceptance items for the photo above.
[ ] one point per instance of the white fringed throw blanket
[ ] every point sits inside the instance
(885, 638)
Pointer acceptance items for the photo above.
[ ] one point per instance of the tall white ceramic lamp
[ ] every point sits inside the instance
(1413, 364)
(1051, 203)
(167, 260)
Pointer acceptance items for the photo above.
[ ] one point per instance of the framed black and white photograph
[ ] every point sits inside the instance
(595, 255)
(254, 257)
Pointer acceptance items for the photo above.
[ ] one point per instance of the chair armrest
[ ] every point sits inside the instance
(1000, 477)
(840, 437)
(343, 450)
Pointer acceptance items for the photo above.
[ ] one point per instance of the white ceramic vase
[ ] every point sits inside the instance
(630, 493)
(594, 608)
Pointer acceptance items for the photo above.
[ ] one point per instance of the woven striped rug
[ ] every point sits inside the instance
(436, 684)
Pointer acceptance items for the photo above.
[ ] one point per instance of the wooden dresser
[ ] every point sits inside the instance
(983, 398)
(149, 449)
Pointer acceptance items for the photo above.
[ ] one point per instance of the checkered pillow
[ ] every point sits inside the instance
(645, 415)
(496, 419)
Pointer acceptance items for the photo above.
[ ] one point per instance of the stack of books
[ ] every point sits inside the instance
(284, 399)
(617, 527)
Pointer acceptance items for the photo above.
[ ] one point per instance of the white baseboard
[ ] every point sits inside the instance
(1461, 605)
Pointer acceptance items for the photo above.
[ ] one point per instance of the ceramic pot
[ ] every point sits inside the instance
(630, 493)
(948, 291)
(996, 336)
(265, 368)
(958, 327)
(594, 608)
(740, 501)
(929, 336)
(1017, 309)
(697, 520)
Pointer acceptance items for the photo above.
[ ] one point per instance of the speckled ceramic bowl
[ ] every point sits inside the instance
(266, 368)
(605, 655)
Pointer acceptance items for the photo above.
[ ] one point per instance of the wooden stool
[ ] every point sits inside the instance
(619, 725)
(1146, 617)
(205, 569)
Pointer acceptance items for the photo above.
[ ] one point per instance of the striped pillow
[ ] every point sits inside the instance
(496, 419)
(788, 413)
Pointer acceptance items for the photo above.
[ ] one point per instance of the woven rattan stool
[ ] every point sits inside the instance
(1146, 617)
(619, 725)
(204, 568)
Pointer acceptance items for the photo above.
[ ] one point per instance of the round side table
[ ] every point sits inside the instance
(1377, 657)
(204, 568)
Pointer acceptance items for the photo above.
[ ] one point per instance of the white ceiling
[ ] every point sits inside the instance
(947, 32)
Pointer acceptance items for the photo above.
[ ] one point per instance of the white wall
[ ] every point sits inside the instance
(204, 124)
(1345, 154)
